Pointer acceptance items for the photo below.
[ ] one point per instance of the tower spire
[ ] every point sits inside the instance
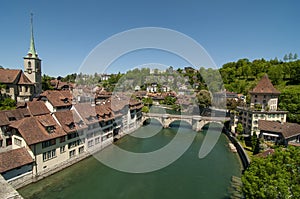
(32, 52)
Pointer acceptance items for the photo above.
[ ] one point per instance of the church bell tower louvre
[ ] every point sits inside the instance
(32, 64)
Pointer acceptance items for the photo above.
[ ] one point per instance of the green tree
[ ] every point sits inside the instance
(255, 143)
(145, 109)
(276, 176)
(147, 101)
(285, 58)
(46, 83)
(7, 104)
(295, 56)
(169, 100)
(290, 56)
(239, 128)
(203, 99)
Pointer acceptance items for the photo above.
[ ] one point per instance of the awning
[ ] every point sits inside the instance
(272, 135)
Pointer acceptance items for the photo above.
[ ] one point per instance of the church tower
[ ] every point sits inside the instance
(32, 64)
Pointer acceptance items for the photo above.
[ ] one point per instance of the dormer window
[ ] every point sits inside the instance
(90, 118)
(65, 100)
(80, 123)
(71, 125)
(12, 119)
(50, 129)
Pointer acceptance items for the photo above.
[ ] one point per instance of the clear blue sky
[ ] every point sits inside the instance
(67, 30)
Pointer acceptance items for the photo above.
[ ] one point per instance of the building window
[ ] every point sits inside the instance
(90, 143)
(81, 150)
(72, 135)
(255, 96)
(74, 143)
(62, 149)
(48, 143)
(62, 139)
(29, 64)
(97, 140)
(72, 153)
(17, 142)
(49, 155)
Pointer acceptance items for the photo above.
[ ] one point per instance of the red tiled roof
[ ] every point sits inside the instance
(266, 153)
(265, 86)
(67, 117)
(86, 111)
(37, 108)
(23, 80)
(34, 132)
(8, 75)
(58, 98)
(14, 158)
(46, 120)
(16, 114)
(286, 129)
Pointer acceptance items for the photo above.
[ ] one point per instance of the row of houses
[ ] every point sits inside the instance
(51, 131)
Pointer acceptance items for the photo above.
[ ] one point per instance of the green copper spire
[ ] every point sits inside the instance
(32, 52)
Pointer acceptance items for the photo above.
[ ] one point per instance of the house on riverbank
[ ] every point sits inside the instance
(279, 132)
(263, 106)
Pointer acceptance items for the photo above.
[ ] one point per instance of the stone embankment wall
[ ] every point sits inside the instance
(242, 153)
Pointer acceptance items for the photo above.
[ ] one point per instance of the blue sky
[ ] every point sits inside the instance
(66, 31)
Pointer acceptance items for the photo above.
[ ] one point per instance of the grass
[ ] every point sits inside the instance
(247, 149)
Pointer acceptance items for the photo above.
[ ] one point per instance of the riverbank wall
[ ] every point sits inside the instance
(242, 153)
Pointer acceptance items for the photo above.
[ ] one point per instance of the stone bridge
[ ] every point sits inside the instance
(196, 121)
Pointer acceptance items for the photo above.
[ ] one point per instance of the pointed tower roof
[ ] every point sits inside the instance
(265, 86)
(32, 52)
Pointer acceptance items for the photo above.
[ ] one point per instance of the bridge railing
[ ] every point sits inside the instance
(186, 116)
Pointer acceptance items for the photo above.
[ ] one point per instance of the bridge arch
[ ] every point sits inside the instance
(212, 125)
(182, 122)
(149, 120)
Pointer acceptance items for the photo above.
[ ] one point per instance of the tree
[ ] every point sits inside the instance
(169, 100)
(145, 109)
(295, 56)
(147, 101)
(203, 99)
(290, 56)
(46, 83)
(255, 143)
(7, 104)
(285, 58)
(239, 128)
(275, 176)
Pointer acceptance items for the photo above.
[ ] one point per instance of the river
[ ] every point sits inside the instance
(188, 177)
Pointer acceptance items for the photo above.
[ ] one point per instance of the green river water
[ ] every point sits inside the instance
(188, 177)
